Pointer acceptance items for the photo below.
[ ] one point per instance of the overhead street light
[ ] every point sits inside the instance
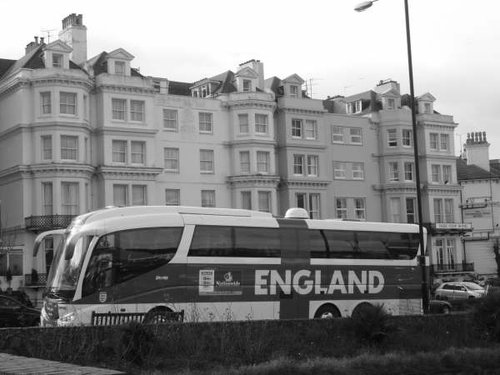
(425, 293)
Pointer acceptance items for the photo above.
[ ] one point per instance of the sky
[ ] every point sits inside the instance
(337, 51)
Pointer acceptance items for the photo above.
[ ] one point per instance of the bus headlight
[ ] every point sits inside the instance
(67, 318)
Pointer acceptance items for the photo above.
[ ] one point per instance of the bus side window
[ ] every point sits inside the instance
(123, 255)
(341, 243)
(318, 244)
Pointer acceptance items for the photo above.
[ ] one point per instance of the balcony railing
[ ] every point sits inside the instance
(33, 281)
(450, 268)
(47, 222)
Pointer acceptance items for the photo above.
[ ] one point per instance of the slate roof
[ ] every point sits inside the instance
(473, 172)
(32, 60)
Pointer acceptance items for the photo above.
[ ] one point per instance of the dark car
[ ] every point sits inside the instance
(13, 313)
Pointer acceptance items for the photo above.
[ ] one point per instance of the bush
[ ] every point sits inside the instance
(371, 324)
(487, 316)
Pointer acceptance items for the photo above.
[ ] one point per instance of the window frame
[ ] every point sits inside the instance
(168, 119)
(205, 122)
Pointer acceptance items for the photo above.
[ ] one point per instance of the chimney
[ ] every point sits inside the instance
(476, 150)
(33, 45)
(387, 84)
(74, 34)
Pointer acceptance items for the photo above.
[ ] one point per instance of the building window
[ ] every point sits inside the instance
(393, 172)
(355, 136)
(395, 207)
(312, 165)
(339, 169)
(359, 208)
(427, 108)
(310, 202)
(69, 198)
(138, 152)
(67, 104)
(261, 123)
(207, 161)
(443, 210)
(294, 91)
(120, 195)
(341, 208)
(208, 198)
(296, 128)
(119, 109)
(170, 119)
(172, 197)
(435, 173)
(447, 179)
(139, 195)
(433, 141)
(205, 120)
(243, 122)
(407, 138)
(408, 171)
(46, 147)
(45, 99)
(47, 196)
(448, 211)
(171, 159)
(246, 200)
(392, 138)
(337, 134)
(410, 210)
(298, 164)
(57, 60)
(311, 129)
(444, 142)
(358, 171)
(263, 162)
(69, 147)
(12, 260)
(137, 110)
(119, 151)
(245, 161)
(391, 103)
(120, 68)
(247, 85)
(264, 201)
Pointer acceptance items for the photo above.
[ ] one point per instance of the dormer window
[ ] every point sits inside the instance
(294, 91)
(391, 103)
(355, 107)
(120, 68)
(247, 85)
(427, 108)
(57, 60)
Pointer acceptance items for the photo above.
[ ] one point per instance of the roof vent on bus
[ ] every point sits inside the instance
(296, 213)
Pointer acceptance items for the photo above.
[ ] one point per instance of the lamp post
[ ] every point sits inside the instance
(425, 296)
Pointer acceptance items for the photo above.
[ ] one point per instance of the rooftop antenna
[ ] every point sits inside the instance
(309, 86)
(48, 33)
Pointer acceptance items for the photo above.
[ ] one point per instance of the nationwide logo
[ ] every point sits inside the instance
(267, 282)
(228, 281)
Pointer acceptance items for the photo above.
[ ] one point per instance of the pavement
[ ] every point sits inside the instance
(16, 365)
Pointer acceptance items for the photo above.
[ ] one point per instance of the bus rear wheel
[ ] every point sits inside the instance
(327, 311)
(158, 315)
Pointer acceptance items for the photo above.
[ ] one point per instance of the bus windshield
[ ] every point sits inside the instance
(66, 267)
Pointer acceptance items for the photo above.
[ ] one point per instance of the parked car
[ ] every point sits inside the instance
(14, 313)
(459, 290)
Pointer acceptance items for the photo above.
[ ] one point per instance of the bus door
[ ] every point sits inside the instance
(295, 256)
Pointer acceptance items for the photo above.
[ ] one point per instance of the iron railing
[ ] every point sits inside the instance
(35, 280)
(457, 267)
(47, 222)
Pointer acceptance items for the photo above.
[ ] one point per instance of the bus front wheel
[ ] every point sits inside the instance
(327, 311)
(158, 315)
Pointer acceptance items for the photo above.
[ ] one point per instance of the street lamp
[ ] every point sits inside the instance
(425, 297)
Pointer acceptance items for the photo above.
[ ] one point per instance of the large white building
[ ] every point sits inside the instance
(77, 134)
